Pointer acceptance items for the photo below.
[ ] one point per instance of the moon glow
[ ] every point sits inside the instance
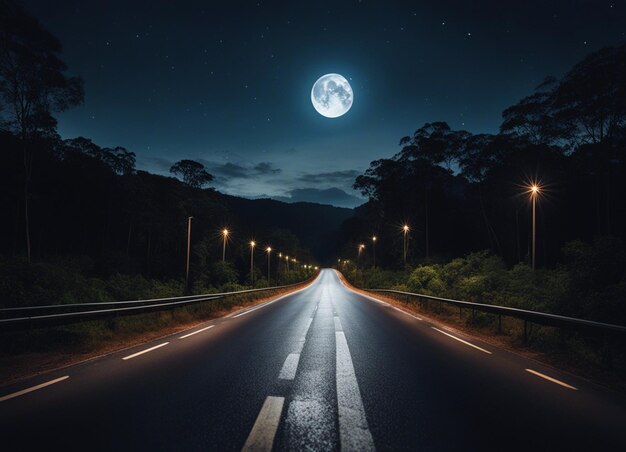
(331, 95)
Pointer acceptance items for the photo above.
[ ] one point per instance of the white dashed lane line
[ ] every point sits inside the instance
(551, 379)
(261, 437)
(462, 341)
(145, 351)
(290, 367)
(31, 389)
(196, 332)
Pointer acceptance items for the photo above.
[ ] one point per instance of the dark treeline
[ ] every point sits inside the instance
(466, 199)
(76, 216)
(462, 192)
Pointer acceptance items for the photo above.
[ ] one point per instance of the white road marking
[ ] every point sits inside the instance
(354, 432)
(407, 313)
(461, 340)
(249, 311)
(553, 380)
(196, 332)
(288, 371)
(145, 351)
(34, 388)
(261, 437)
(308, 325)
(274, 300)
(337, 324)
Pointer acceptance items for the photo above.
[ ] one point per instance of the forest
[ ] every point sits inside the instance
(82, 223)
(466, 200)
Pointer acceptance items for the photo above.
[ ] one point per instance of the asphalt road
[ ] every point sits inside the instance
(324, 368)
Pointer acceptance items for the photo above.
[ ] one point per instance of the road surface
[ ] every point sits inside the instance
(324, 368)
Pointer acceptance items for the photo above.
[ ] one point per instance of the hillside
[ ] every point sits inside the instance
(316, 225)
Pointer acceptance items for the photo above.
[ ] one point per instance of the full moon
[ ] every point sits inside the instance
(332, 95)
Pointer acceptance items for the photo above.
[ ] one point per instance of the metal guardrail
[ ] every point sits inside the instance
(540, 318)
(53, 315)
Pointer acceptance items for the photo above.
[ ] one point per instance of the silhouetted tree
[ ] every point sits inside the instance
(33, 85)
(193, 173)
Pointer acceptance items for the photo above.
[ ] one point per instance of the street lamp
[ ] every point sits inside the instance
(269, 252)
(224, 238)
(252, 245)
(534, 190)
(405, 230)
(287, 260)
(361, 248)
(374, 250)
(188, 250)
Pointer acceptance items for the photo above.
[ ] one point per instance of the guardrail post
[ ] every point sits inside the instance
(607, 354)
(461, 312)
(525, 332)
(499, 324)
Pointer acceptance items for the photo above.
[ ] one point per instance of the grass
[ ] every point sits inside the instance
(569, 350)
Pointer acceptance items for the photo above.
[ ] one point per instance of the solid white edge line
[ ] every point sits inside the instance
(261, 437)
(384, 303)
(196, 332)
(354, 433)
(145, 351)
(461, 340)
(31, 389)
(553, 380)
(274, 300)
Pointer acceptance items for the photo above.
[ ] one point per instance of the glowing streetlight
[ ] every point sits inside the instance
(287, 260)
(252, 245)
(374, 238)
(269, 252)
(188, 249)
(224, 238)
(405, 231)
(534, 190)
(361, 248)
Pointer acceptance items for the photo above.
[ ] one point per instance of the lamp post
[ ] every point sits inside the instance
(252, 245)
(269, 252)
(534, 191)
(224, 238)
(374, 250)
(287, 260)
(405, 230)
(361, 248)
(188, 251)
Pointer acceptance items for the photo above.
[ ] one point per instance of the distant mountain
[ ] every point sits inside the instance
(316, 225)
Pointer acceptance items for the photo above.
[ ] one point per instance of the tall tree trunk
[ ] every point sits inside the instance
(426, 227)
(130, 232)
(28, 165)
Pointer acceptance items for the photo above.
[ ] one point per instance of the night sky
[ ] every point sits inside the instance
(228, 83)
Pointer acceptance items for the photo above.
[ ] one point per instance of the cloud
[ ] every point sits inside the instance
(228, 171)
(158, 164)
(345, 177)
(333, 196)
(266, 168)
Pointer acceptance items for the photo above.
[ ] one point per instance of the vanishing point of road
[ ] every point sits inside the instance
(323, 368)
